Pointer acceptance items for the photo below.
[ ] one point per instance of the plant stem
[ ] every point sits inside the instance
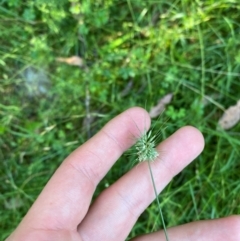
(158, 202)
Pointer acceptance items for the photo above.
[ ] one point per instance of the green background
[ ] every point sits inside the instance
(134, 52)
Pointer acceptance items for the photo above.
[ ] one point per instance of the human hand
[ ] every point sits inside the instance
(62, 212)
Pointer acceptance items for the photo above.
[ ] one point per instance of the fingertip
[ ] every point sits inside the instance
(140, 118)
(194, 137)
(181, 148)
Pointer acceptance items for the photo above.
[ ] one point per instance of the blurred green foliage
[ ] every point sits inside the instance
(134, 52)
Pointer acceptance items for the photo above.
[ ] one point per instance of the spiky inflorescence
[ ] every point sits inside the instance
(146, 151)
(146, 147)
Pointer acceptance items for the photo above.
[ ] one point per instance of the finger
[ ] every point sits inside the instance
(212, 230)
(116, 210)
(65, 200)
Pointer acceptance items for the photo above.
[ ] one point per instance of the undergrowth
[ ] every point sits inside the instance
(132, 51)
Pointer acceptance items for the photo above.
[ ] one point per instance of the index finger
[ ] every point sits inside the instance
(65, 199)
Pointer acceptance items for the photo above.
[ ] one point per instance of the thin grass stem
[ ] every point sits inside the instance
(158, 202)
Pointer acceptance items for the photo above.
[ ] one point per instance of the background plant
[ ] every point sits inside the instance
(132, 51)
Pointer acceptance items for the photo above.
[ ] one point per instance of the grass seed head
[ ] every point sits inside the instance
(146, 147)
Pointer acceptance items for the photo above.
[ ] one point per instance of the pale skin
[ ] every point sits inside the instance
(62, 212)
